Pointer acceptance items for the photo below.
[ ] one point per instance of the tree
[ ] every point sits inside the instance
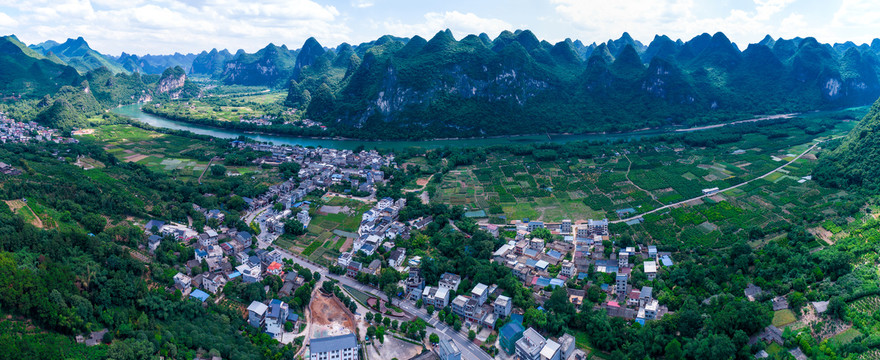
(94, 223)
(218, 170)
(543, 233)
(368, 316)
(673, 350)
(434, 338)
(472, 335)
(236, 203)
(429, 309)
(837, 308)
(535, 318)
(294, 227)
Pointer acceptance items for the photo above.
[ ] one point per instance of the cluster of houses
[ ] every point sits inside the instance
(379, 224)
(531, 259)
(262, 120)
(12, 131)
(529, 344)
(473, 308)
(271, 316)
(305, 123)
(219, 250)
(324, 167)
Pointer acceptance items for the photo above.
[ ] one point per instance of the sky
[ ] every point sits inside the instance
(165, 26)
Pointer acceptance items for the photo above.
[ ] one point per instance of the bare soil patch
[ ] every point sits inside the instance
(329, 316)
(823, 234)
(135, 157)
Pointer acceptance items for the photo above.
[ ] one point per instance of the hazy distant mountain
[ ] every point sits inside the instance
(77, 53)
(271, 66)
(155, 64)
(210, 63)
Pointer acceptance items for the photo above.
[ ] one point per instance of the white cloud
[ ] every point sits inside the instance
(855, 20)
(676, 18)
(792, 26)
(7, 22)
(461, 24)
(362, 4)
(164, 26)
(767, 8)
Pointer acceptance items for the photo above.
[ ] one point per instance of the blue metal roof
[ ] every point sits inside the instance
(332, 343)
(199, 294)
(554, 254)
(666, 260)
(543, 281)
(556, 282)
(511, 330)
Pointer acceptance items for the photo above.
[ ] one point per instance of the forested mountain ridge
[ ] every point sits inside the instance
(78, 53)
(854, 161)
(445, 87)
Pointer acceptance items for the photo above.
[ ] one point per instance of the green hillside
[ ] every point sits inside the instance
(77, 53)
(23, 71)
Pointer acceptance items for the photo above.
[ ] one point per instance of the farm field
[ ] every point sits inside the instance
(510, 187)
(783, 317)
(323, 241)
(181, 156)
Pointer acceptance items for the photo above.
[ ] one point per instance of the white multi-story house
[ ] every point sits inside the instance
(480, 293)
(503, 306)
(342, 347)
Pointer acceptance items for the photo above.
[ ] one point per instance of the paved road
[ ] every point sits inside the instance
(469, 350)
(722, 190)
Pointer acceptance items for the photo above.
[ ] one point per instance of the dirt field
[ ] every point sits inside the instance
(329, 317)
(135, 157)
(422, 182)
(393, 349)
(14, 205)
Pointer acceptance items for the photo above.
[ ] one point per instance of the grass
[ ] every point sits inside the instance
(358, 295)
(847, 336)
(783, 317)
(774, 349)
(312, 247)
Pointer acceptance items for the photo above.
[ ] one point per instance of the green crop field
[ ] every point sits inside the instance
(579, 188)
(783, 317)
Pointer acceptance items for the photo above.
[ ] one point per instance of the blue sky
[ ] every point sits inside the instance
(164, 26)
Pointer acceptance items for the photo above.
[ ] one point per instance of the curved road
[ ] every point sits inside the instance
(469, 350)
(722, 190)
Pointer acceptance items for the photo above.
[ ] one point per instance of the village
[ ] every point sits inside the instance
(12, 131)
(229, 255)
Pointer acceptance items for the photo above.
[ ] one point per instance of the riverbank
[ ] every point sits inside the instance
(135, 111)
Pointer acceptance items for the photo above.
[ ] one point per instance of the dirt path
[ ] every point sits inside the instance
(421, 186)
(15, 205)
(770, 117)
(634, 184)
(206, 168)
(722, 190)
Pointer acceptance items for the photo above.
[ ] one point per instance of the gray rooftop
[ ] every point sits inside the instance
(332, 343)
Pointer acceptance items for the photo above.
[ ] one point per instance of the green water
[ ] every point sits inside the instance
(134, 111)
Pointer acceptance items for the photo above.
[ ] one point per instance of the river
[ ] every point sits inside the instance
(134, 111)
